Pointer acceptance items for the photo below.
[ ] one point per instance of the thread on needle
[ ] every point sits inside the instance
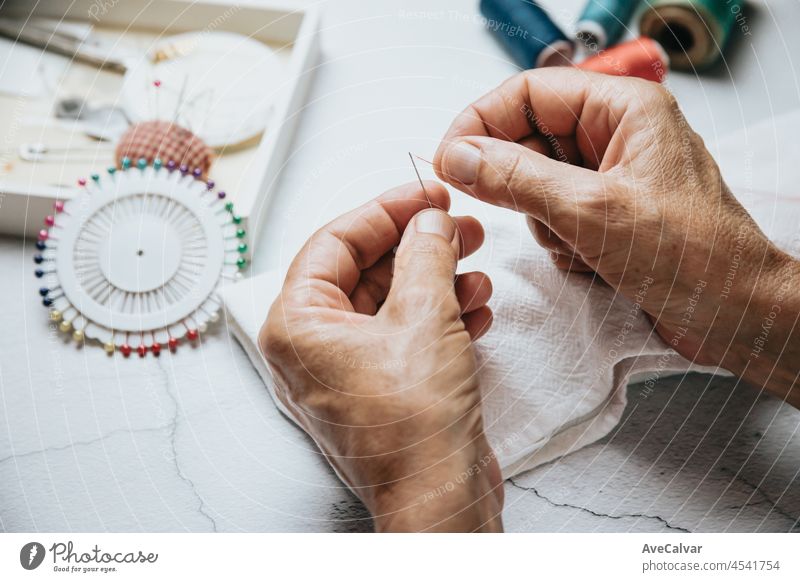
(421, 183)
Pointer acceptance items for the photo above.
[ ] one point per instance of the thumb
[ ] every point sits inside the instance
(425, 268)
(513, 176)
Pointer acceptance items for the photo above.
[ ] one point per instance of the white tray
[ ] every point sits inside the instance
(249, 176)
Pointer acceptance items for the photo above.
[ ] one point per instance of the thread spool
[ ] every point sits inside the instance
(603, 22)
(693, 32)
(527, 33)
(164, 140)
(641, 57)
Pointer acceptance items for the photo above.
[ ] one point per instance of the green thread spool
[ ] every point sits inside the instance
(693, 32)
(603, 22)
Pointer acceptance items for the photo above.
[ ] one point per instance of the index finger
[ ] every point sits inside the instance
(328, 267)
(553, 102)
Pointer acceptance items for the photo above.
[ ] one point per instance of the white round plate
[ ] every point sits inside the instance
(209, 82)
(135, 260)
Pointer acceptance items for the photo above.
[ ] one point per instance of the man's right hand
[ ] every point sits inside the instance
(613, 180)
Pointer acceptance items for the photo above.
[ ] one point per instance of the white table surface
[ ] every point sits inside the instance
(192, 441)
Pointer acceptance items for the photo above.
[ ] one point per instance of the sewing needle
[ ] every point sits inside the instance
(421, 183)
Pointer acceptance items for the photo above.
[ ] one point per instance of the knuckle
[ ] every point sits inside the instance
(430, 254)
(429, 247)
(663, 98)
(419, 303)
(601, 198)
(507, 167)
(656, 93)
(505, 172)
(515, 174)
(603, 214)
(417, 298)
(648, 98)
(273, 338)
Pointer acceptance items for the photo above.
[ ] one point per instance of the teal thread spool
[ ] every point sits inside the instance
(692, 32)
(527, 33)
(603, 22)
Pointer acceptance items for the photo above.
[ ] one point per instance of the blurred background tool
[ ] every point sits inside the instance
(104, 122)
(69, 39)
(50, 153)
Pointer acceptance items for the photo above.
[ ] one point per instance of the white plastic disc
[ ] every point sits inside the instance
(136, 259)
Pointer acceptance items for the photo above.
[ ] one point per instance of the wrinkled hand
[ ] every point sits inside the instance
(614, 181)
(372, 353)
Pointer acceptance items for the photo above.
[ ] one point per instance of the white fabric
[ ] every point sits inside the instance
(555, 366)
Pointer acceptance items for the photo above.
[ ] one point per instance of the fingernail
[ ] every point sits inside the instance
(435, 222)
(462, 161)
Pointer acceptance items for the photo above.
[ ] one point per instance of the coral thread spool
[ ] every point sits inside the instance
(641, 57)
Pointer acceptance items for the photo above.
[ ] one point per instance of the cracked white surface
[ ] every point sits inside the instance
(700, 454)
